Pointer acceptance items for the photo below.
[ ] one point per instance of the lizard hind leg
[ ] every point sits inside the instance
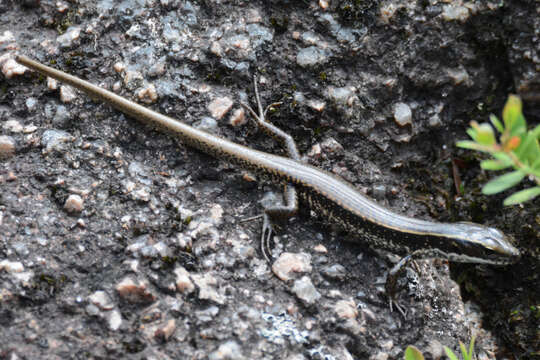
(274, 214)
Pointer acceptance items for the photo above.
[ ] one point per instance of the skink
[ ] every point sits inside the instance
(335, 199)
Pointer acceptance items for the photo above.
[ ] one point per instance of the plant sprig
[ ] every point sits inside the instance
(517, 148)
(412, 353)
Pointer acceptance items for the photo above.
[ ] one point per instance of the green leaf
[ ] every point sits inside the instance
(471, 145)
(526, 146)
(522, 196)
(496, 122)
(536, 163)
(503, 182)
(485, 135)
(520, 126)
(512, 115)
(536, 132)
(412, 353)
(494, 165)
(533, 152)
(450, 354)
(471, 347)
(502, 156)
(463, 349)
(472, 133)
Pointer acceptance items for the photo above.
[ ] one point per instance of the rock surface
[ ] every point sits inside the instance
(118, 242)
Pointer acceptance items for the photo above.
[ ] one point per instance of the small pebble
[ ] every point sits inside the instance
(61, 6)
(114, 320)
(102, 300)
(340, 95)
(21, 248)
(164, 332)
(346, 309)
(458, 76)
(288, 265)
(207, 285)
(435, 348)
(381, 355)
(320, 249)
(311, 56)
(303, 289)
(435, 121)
(238, 41)
(52, 84)
(379, 192)
(317, 105)
(336, 271)
(13, 125)
(331, 145)
(62, 117)
(148, 94)
(134, 292)
(207, 124)
(455, 12)
(238, 118)
(74, 204)
(119, 67)
(68, 38)
(216, 49)
(207, 314)
(227, 351)
(183, 282)
(219, 107)
(7, 146)
(7, 37)
(31, 104)
(402, 114)
(11, 68)
(11, 266)
(67, 94)
(387, 11)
